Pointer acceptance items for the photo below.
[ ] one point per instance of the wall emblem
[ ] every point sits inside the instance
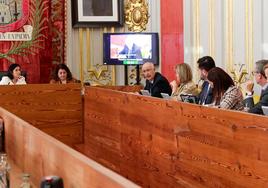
(26, 40)
(13, 14)
(136, 15)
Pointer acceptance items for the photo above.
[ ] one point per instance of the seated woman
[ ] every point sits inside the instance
(184, 83)
(225, 93)
(62, 75)
(13, 76)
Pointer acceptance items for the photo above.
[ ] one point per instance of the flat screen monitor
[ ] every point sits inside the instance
(130, 48)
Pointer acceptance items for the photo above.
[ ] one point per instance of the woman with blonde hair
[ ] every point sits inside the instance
(184, 83)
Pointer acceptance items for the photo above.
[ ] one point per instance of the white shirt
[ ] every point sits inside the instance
(7, 81)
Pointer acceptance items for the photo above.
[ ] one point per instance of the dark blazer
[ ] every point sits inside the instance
(256, 109)
(205, 96)
(160, 85)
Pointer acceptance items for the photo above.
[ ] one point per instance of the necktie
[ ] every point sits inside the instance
(150, 87)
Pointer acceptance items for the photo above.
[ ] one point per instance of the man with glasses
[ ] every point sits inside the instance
(261, 80)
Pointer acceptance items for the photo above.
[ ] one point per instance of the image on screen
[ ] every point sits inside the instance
(136, 47)
(130, 48)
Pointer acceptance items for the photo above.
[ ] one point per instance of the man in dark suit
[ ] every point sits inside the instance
(205, 64)
(261, 80)
(155, 82)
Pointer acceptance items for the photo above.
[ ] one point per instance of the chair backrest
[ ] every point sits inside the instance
(4, 73)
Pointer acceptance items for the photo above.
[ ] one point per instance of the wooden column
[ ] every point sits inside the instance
(171, 36)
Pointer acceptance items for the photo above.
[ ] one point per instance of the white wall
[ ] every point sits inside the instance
(233, 32)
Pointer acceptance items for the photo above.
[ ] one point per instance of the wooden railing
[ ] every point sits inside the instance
(160, 143)
(135, 88)
(36, 153)
(53, 108)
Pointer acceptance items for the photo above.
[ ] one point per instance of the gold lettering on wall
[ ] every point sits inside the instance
(91, 67)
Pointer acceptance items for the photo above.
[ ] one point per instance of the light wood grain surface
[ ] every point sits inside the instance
(54, 108)
(160, 143)
(39, 154)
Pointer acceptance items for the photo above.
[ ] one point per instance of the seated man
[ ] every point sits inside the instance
(155, 82)
(205, 64)
(261, 79)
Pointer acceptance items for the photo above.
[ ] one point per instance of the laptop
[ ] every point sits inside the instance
(145, 92)
(188, 98)
(265, 110)
(165, 96)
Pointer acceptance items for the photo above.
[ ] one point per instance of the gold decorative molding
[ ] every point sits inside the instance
(249, 37)
(229, 35)
(212, 28)
(196, 34)
(136, 15)
(97, 71)
(98, 74)
(132, 74)
(81, 45)
(239, 74)
(113, 68)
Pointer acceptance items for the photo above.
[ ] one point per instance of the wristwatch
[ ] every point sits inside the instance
(249, 93)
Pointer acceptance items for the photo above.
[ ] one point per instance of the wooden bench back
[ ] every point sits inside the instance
(160, 143)
(53, 108)
(41, 155)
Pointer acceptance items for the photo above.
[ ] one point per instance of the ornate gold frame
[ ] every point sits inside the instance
(136, 15)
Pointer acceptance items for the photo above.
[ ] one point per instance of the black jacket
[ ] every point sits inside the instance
(256, 109)
(160, 85)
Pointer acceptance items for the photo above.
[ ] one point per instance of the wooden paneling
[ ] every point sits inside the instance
(135, 88)
(41, 155)
(160, 143)
(53, 108)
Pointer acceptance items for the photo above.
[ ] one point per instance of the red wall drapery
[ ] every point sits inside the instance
(171, 36)
(40, 64)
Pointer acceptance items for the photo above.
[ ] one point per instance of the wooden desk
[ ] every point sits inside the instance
(56, 109)
(161, 143)
(39, 154)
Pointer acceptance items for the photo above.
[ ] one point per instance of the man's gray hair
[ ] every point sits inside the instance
(260, 65)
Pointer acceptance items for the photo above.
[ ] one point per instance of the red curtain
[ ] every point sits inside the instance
(40, 57)
(171, 36)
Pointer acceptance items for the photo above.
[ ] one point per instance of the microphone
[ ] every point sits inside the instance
(51, 182)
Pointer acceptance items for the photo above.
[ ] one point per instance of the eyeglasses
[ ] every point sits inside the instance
(254, 72)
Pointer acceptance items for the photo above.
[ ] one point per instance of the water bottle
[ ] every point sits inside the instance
(4, 171)
(25, 181)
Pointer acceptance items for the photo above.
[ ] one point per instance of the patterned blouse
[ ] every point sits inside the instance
(232, 99)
